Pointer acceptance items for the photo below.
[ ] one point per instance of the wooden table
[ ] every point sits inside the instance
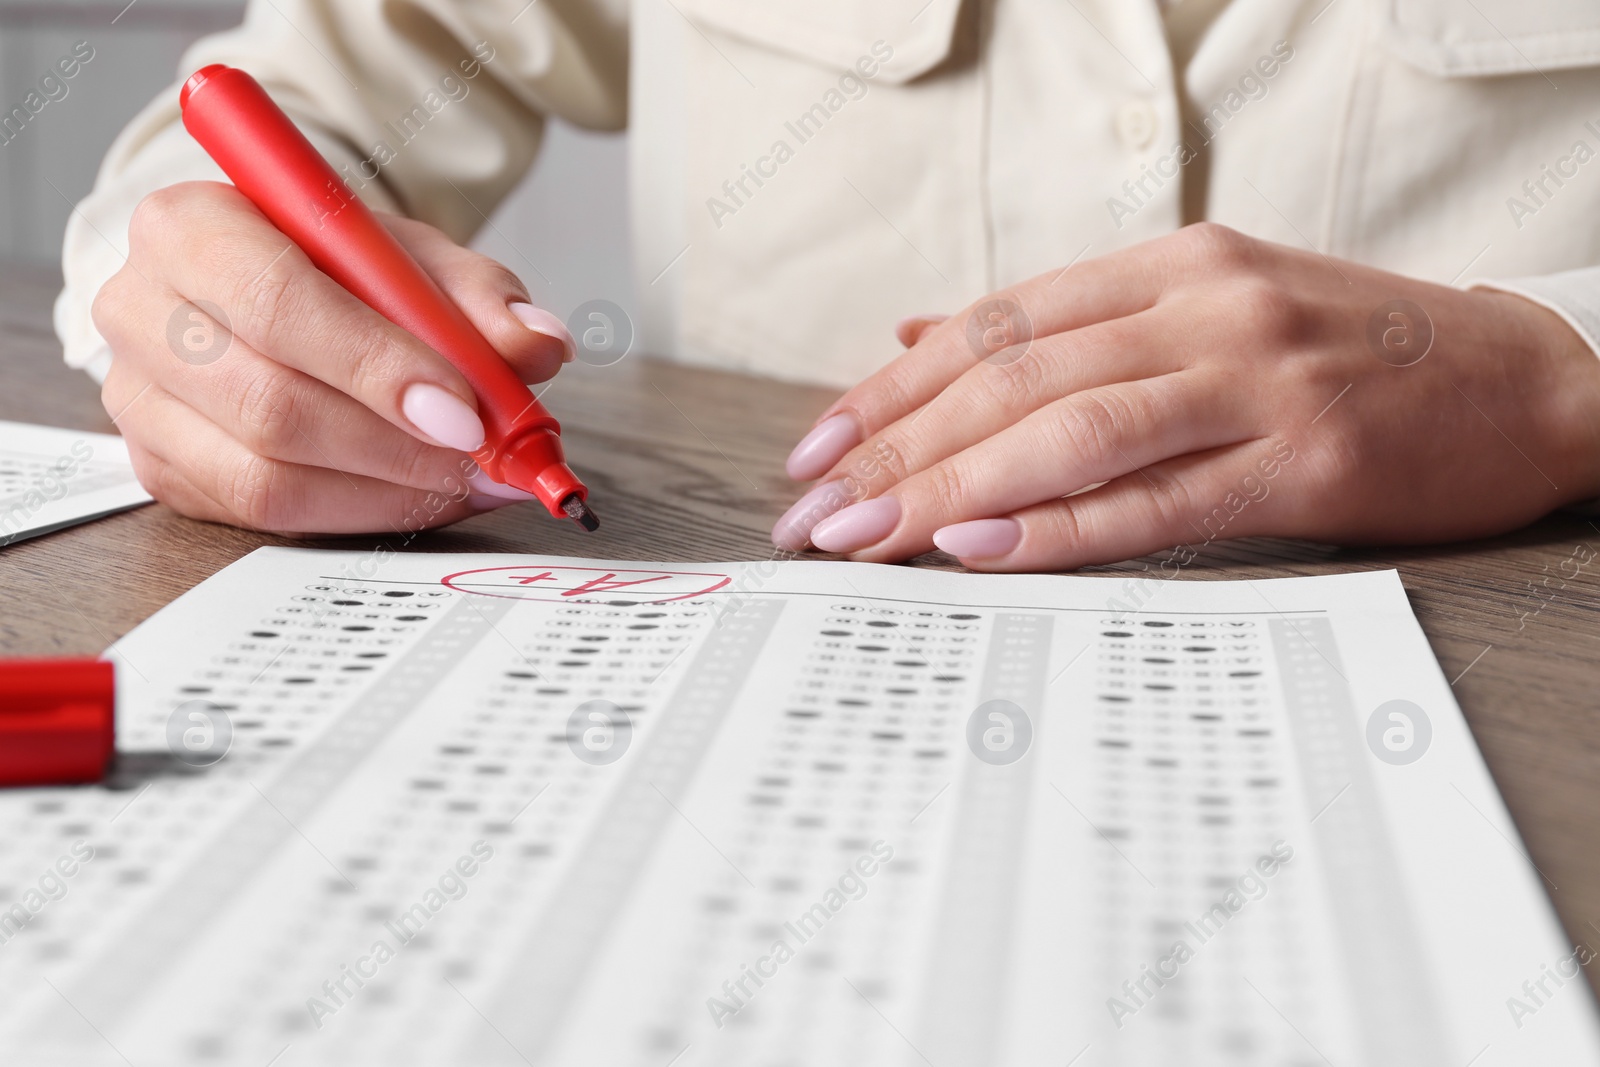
(687, 465)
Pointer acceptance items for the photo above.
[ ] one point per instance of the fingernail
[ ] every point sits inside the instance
(824, 446)
(908, 328)
(858, 525)
(793, 531)
(443, 416)
(485, 502)
(980, 538)
(541, 321)
(483, 485)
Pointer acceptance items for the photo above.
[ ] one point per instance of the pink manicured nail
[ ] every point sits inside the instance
(857, 526)
(483, 485)
(820, 449)
(443, 416)
(485, 502)
(979, 539)
(793, 531)
(541, 321)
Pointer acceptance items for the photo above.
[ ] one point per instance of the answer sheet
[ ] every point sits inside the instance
(52, 478)
(476, 810)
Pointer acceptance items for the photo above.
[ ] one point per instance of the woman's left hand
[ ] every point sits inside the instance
(1203, 385)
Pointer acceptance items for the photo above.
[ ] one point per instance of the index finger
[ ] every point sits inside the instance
(1000, 327)
(282, 306)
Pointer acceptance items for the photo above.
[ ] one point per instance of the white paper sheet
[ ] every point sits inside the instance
(811, 842)
(52, 478)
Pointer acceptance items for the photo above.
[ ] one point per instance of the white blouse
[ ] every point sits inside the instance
(806, 172)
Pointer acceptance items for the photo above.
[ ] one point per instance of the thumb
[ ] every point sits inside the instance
(531, 339)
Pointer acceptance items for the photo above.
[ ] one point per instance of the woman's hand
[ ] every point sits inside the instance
(253, 390)
(1200, 386)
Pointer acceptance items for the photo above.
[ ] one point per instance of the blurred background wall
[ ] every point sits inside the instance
(569, 216)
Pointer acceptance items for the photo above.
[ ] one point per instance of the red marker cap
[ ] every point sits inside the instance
(57, 720)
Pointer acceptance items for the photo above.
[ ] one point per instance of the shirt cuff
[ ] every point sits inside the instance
(1575, 296)
(1572, 294)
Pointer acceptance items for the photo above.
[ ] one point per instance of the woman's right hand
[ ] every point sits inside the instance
(253, 390)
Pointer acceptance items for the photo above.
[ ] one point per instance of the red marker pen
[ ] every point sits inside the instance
(272, 163)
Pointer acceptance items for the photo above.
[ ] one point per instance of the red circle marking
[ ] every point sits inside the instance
(449, 581)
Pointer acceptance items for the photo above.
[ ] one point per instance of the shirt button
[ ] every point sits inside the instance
(1136, 124)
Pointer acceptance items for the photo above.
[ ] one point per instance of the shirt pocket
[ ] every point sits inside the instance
(837, 33)
(1457, 38)
(1471, 131)
(824, 143)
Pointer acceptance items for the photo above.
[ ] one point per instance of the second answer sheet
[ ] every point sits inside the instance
(51, 478)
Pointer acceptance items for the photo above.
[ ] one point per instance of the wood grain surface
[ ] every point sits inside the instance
(687, 465)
